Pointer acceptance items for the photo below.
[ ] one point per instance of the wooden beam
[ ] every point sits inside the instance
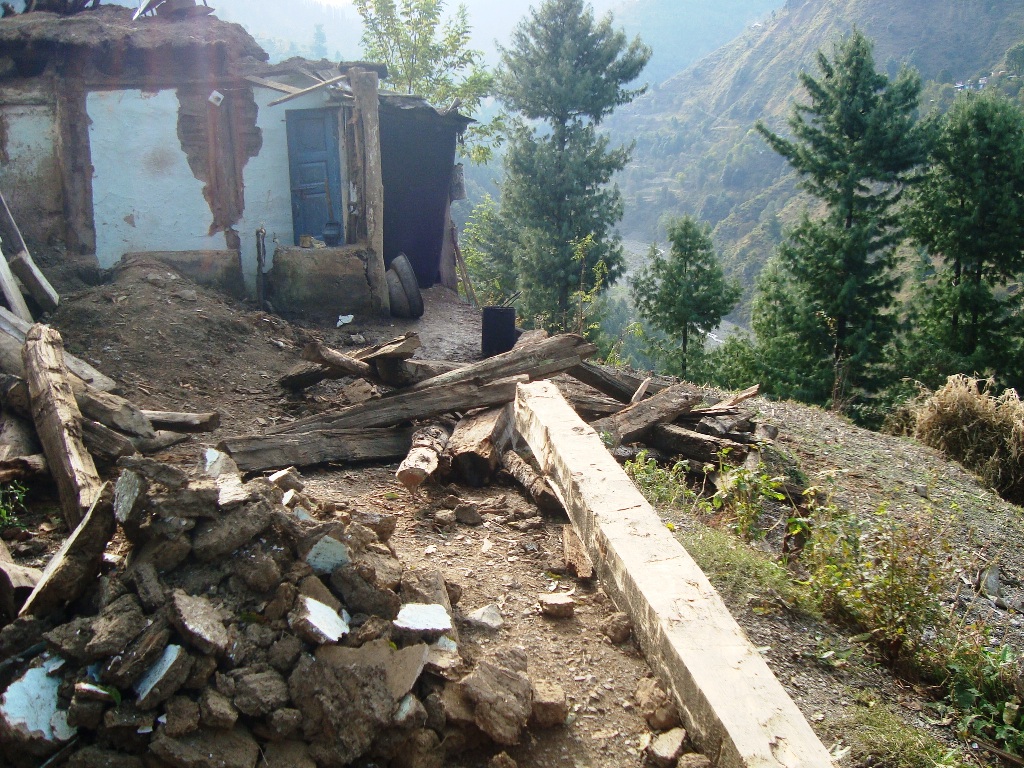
(180, 421)
(630, 424)
(424, 456)
(733, 707)
(321, 354)
(262, 452)
(303, 91)
(696, 446)
(12, 293)
(535, 486)
(272, 84)
(24, 267)
(58, 423)
(474, 449)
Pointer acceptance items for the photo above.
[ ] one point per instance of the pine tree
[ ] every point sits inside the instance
(562, 74)
(968, 214)
(686, 294)
(855, 146)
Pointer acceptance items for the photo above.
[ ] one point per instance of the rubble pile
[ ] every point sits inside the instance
(240, 619)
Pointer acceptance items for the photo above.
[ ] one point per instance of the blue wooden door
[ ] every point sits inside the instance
(314, 163)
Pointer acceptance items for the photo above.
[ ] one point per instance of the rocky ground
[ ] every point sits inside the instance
(174, 346)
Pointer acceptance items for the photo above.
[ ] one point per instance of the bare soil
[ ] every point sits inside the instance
(175, 346)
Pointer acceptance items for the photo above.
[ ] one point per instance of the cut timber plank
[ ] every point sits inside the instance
(407, 406)
(257, 453)
(696, 446)
(181, 421)
(25, 268)
(58, 423)
(12, 293)
(632, 423)
(733, 706)
(535, 485)
(272, 84)
(424, 456)
(474, 449)
(303, 91)
(575, 555)
(537, 360)
(13, 326)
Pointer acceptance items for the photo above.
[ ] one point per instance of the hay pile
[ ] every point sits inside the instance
(982, 432)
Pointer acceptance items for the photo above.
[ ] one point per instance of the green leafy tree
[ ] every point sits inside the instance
(968, 214)
(562, 74)
(431, 57)
(855, 145)
(684, 294)
(489, 247)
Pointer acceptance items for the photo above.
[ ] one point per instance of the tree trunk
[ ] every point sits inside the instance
(424, 457)
(475, 447)
(631, 423)
(534, 485)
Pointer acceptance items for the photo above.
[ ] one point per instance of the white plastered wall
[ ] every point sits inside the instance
(29, 176)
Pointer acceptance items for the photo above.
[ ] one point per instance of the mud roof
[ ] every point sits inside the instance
(111, 26)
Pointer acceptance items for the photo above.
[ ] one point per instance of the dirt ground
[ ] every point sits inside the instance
(175, 346)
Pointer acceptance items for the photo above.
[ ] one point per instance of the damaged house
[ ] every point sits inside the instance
(173, 136)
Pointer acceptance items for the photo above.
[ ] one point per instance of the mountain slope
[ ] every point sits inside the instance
(697, 152)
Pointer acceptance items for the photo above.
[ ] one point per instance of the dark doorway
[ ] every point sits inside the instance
(314, 164)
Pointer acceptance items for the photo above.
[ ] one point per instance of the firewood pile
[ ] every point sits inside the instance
(239, 618)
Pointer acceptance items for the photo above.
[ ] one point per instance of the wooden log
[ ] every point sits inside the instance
(534, 485)
(23, 468)
(641, 391)
(180, 421)
(17, 437)
(531, 337)
(304, 449)
(58, 423)
(403, 373)
(315, 352)
(306, 375)
(408, 405)
(575, 554)
(695, 446)
(24, 267)
(161, 440)
(536, 360)
(474, 450)
(104, 443)
(632, 423)
(402, 348)
(12, 292)
(424, 456)
(621, 385)
(112, 411)
(73, 568)
(14, 327)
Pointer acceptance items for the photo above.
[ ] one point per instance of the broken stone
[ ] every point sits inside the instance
(383, 525)
(488, 617)
(327, 555)
(259, 692)
(468, 514)
(617, 628)
(454, 591)
(401, 668)
(130, 503)
(387, 568)
(456, 706)
(445, 519)
(207, 749)
(665, 748)
(557, 605)
(426, 621)
(125, 669)
(410, 713)
(354, 584)
(257, 569)
(116, 627)
(422, 750)
(165, 554)
(284, 653)
(126, 728)
(427, 585)
(285, 724)
(92, 692)
(86, 713)
(198, 499)
(288, 480)
(216, 538)
(31, 718)
(157, 471)
(317, 623)
(199, 623)
(282, 602)
(502, 760)
(216, 710)
(693, 760)
(202, 670)
(444, 656)
(182, 716)
(657, 708)
(287, 754)
(343, 709)
(148, 586)
(501, 694)
(164, 678)
(73, 569)
(550, 707)
(311, 586)
(70, 640)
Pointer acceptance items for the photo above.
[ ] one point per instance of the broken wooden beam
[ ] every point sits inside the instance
(12, 292)
(112, 410)
(24, 267)
(105, 443)
(535, 486)
(474, 449)
(696, 446)
(17, 435)
(315, 352)
(181, 421)
(575, 555)
(396, 372)
(408, 405)
(58, 423)
(307, 374)
(632, 423)
(536, 360)
(303, 449)
(424, 456)
(732, 704)
(23, 467)
(621, 385)
(399, 348)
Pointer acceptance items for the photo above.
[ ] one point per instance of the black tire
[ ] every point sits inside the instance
(396, 295)
(411, 285)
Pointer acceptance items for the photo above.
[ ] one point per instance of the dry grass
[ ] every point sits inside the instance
(982, 432)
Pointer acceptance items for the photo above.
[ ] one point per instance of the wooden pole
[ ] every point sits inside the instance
(24, 267)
